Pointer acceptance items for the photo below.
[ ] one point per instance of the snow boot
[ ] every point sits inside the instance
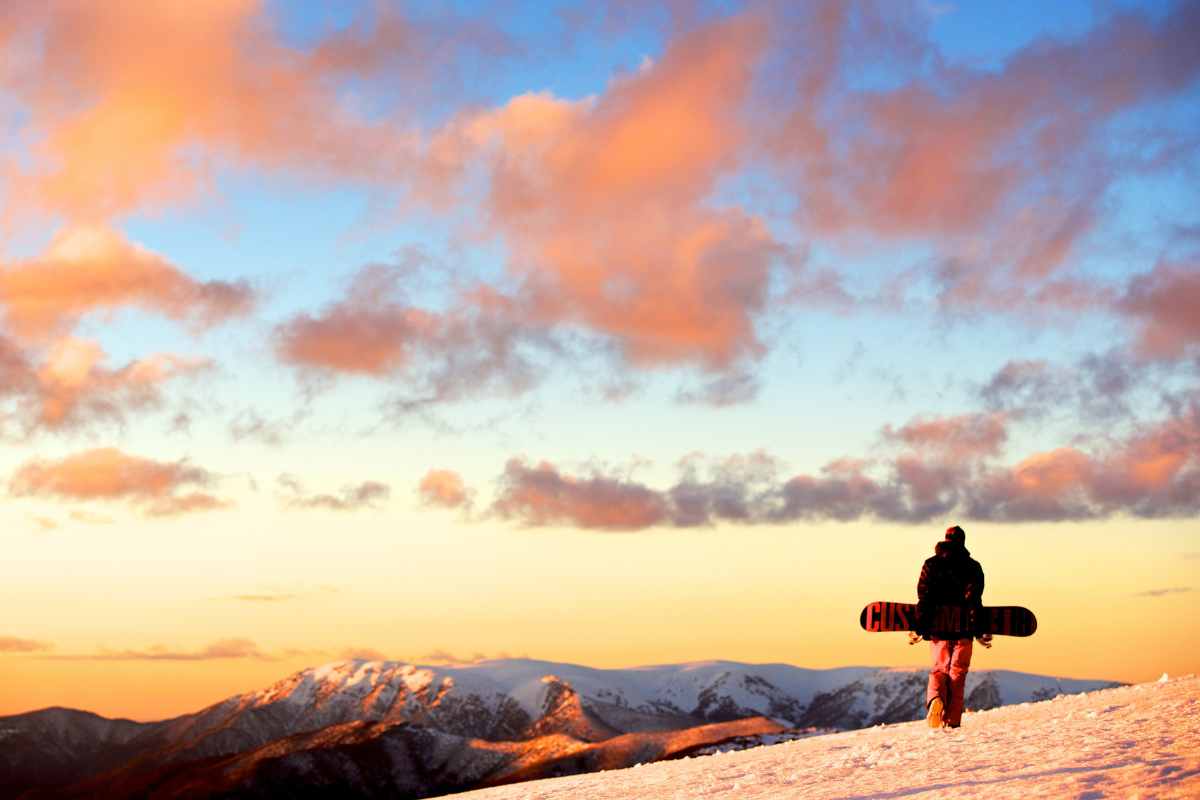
(935, 713)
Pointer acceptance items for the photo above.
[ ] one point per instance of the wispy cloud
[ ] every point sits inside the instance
(275, 596)
(366, 495)
(234, 648)
(11, 644)
(1163, 592)
(440, 656)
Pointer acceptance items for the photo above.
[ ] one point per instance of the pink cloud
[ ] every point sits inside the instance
(135, 104)
(72, 386)
(959, 437)
(11, 644)
(999, 170)
(603, 203)
(91, 268)
(479, 345)
(1164, 303)
(443, 488)
(541, 495)
(155, 488)
(945, 466)
(603, 206)
(233, 648)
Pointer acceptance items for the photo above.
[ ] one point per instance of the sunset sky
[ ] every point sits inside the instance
(610, 333)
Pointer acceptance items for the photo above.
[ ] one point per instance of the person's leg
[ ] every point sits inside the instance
(959, 663)
(939, 678)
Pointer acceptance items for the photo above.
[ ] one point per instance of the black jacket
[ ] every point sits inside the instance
(950, 578)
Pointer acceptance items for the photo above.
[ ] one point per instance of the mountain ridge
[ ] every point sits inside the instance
(490, 715)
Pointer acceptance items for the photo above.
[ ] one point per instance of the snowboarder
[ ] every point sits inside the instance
(950, 578)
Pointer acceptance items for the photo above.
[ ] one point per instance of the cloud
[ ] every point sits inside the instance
(346, 653)
(368, 494)
(954, 437)
(90, 518)
(363, 653)
(603, 207)
(478, 346)
(274, 596)
(440, 656)
(602, 203)
(154, 488)
(541, 495)
(443, 488)
(132, 104)
(261, 598)
(90, 267)
(1163, 303)
(1163, 592)
(1000, 170)
(11, 644)
(71, 386)
(931, 467)
(233, 648)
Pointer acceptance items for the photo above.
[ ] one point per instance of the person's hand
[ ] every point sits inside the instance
(984, 639)
(914, 637)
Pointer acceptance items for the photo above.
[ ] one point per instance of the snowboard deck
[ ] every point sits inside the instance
(949, 620)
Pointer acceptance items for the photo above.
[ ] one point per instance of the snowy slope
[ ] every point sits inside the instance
(1129, 742)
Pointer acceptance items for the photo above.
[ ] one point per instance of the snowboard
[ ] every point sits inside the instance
(949, 620)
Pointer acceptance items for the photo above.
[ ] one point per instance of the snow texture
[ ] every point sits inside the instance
(1130, 742)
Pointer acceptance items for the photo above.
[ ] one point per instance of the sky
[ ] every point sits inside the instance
(606, 333)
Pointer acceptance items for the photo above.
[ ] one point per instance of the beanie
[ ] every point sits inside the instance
(956, 534)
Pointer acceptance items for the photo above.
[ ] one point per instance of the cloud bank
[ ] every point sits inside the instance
(930, 468)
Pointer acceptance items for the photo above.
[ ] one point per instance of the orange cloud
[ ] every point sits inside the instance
(72, 386)
(90, 267)
(134, 103)
(603, 203)
(11, 644)
(444, 488)
(604, 206)
(239, 647)
(156, 488)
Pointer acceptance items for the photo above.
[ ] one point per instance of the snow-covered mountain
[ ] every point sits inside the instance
(507, 717)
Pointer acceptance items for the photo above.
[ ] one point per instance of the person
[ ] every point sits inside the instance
(950, 578)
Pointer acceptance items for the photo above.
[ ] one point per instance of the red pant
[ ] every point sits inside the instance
(951, 659)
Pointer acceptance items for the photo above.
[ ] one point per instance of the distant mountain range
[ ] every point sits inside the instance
(375, 729)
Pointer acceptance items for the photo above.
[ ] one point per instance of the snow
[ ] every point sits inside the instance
(1131, 742)
(650, 689)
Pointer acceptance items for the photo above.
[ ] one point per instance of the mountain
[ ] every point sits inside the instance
(403, 730)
